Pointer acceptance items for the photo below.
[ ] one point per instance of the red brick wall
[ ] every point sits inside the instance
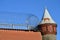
(47, 28)
(19, 35)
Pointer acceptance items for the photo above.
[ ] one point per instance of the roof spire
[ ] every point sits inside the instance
(47, 18)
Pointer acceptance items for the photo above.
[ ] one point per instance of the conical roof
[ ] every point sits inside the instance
(47, 18)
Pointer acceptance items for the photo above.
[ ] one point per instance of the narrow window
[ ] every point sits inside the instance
(54, 29)
(44, 29)
(50, 29)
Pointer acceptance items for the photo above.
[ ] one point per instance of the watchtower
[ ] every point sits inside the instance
(47, 27)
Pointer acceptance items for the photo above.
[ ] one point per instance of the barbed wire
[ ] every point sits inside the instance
(30, 20)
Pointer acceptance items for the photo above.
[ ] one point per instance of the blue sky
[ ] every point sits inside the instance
(35, 7)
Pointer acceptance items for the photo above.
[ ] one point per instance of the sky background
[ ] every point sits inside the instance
(15, 8)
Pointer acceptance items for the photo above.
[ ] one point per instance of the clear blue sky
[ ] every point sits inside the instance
(35, 7)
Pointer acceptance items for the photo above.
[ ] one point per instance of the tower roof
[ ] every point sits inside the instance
(47, 18)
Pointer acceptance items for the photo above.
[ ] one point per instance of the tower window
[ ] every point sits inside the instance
(44, 29)
(55, 29)
(50, 29)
